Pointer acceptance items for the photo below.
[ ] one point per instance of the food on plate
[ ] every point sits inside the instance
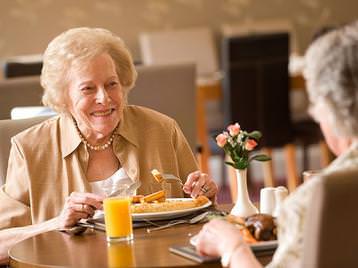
(169, 205)
(157, 175)
(258, 227)
(157, 196)
(262, 227)
(240, 222)
(137, 198)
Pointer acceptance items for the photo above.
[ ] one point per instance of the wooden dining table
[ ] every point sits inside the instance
(90, 249)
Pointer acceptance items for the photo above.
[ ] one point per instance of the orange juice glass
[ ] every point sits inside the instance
(118, 219)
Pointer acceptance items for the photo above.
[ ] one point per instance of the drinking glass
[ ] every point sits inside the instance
(118, 219)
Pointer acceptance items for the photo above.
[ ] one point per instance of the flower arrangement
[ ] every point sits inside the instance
(238, 143)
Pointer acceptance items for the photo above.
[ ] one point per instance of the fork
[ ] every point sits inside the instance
(193, 220)
(169, 177)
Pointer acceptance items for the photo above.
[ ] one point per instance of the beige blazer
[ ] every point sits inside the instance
(48, 161)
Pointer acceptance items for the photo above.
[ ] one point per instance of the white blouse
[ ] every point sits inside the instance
(118, 180)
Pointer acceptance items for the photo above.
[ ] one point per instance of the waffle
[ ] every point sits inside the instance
(169, 205)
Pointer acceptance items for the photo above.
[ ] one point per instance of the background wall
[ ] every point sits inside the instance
(26, 26)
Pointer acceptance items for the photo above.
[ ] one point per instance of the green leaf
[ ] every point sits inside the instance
(260, 157)
(256, 135)
(230, 164)
(242, 165)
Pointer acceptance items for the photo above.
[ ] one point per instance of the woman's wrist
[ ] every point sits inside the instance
(242, 256)
(227, 256)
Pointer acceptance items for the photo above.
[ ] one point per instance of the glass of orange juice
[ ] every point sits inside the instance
(118, 219)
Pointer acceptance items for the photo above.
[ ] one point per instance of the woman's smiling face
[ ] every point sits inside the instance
(95, 98)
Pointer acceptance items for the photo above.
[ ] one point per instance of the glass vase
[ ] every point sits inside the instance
(243, 206)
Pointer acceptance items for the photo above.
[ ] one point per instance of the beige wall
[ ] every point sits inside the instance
(26, 26)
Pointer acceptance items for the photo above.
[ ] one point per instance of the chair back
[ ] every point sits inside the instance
(331, 232)
(256, 85)
(31, 111)
(169, 89)
(194, 45)
(264, 26)
(19, 69)
(25, 65)
(16, 92)
(8, 129)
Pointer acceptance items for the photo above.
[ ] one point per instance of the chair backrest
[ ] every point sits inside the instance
(16, 92)
(31, 111)
(9, 128)
(25, 65)
(331, 232)
(169, 89)
(185, 45)
(262, 27)
(256, 85)
(20, 69)
(195, 45)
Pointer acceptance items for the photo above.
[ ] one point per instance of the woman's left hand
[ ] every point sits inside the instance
(199, 183)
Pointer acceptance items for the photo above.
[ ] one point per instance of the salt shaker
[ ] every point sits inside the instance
(267, 200)
(281, 193)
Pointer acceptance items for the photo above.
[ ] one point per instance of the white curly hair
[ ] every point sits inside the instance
(75, 48)
(331, 72)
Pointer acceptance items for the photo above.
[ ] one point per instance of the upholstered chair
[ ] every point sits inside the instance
(331, 233)
(8, 129)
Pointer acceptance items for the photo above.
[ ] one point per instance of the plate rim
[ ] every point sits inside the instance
(263, 244)
(257, 246)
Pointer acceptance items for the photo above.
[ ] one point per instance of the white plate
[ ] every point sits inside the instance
(256, 247)
(168, 214)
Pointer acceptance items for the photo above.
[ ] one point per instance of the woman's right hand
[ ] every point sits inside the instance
(217, 237)
(79, 206)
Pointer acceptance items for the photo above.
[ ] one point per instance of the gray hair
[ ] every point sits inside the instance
(331, 73)
(74, 48)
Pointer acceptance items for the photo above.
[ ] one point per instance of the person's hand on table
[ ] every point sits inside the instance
(79, 206)
(217, 237)
(224, 239)
(199, 183)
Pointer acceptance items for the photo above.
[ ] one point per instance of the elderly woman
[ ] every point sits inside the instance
(332, 81)
(60, 170)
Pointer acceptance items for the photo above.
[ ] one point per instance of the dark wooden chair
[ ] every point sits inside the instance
(256, 94)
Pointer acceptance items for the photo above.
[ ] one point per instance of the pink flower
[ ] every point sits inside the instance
(234, 129)
(250, 144)
(221, 140)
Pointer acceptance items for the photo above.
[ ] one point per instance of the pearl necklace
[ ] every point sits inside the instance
(95, 147)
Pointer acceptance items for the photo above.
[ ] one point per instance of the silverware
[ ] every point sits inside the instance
(169, 177)
(194, 220)
(75, 230)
